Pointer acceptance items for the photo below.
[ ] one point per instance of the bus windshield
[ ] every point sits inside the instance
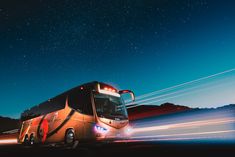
(111, 107)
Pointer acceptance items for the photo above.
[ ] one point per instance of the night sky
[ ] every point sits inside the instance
(48, 47)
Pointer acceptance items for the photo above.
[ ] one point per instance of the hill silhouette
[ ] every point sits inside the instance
(8, 124)
(145, 111)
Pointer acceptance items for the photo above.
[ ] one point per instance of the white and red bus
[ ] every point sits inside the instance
(93, 111)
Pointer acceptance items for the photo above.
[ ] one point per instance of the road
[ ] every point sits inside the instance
(125, 149)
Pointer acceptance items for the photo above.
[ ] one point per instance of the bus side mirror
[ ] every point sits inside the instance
(128, 91)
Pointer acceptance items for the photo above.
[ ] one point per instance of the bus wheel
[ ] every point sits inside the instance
(26, 140)
(70, 139)
(31, 140)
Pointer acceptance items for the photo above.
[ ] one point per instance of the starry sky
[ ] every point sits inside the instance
(48, 47)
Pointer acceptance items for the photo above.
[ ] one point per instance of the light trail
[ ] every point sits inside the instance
(160, 96)
(163, 99)
(153, 139)
(160, 100)
(215, 125)
(181, 85)
(11, 131)
(8, 141)
(180, 93)
(186, 134)
(175, 94)
(183, 125)
(212, 124)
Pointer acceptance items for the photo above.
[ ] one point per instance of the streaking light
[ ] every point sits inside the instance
(182, 84)
(216, 126)
(189, 134)
(188, 125)
(8, 141)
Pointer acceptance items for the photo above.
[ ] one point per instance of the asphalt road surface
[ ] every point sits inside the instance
(143, 149)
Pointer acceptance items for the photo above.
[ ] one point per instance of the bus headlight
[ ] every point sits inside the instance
(100, 129)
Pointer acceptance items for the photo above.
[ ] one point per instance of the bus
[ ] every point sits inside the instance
(93, 111)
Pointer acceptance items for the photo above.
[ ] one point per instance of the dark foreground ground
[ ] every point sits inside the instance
(121, 149)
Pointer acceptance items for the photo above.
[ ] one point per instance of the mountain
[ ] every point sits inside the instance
(148, 111)
(227, 107)
(145, 111)
(7, 124)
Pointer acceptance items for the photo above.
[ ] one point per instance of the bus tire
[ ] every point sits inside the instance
(26, 140)
(31, 140)
(70, 139)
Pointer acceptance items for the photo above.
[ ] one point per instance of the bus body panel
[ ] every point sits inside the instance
(54, 125)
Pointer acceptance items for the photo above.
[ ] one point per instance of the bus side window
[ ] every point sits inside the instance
(80, 100)
(87, 103)
(75, 100)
